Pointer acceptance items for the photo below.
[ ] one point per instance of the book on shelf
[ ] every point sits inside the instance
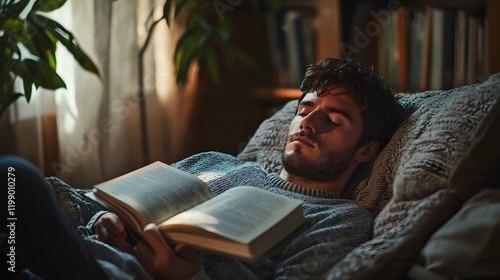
(474, 49)
(294, 48)
(276, 45)
(244, 222)
(460, 48)
(416, 63)
(448, 44)
(437, 50)
(291, 40)
(424, 82)
(427, 47)
(402, 16)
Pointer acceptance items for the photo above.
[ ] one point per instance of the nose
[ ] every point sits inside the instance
(310, 122)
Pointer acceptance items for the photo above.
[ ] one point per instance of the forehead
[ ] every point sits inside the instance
(338, 97)
(333, 102)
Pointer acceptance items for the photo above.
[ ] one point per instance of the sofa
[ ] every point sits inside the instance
(442, 161)
(433, 190)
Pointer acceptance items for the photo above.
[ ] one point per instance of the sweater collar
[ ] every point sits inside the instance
(276, 179)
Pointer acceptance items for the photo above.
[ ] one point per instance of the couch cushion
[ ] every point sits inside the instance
(266, 145)
(437, 134)
(467, 246)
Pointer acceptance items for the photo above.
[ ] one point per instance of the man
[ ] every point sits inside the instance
(345, 116)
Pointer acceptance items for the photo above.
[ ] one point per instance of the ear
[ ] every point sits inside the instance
(368, 152)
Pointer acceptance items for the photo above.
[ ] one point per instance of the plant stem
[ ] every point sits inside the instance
(142, 97)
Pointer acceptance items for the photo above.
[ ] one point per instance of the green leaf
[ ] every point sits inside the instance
(28, 85)
(46, 48)
(222, 34)
(14, 66)
(6, 87)
(166, 11)
(234, 54)
(273, 5)
(7, 84)
(9, 46)
(224, 30)
(179, 7)
(70, 42)
(47, 5)
(186, 33)
(207, 27)
(42, 74)
(227, 26)
(26, 38)
(183, 60)
(15, 24)
(51, 37)
(212, 64)
(10, 99)
(27, 41)
(15, 9)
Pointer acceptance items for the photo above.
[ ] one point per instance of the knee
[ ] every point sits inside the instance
(22, 173)
(18, 166)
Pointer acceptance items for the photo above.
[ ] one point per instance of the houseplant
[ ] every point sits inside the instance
(204, 39)
(28, 43)
(206, 33)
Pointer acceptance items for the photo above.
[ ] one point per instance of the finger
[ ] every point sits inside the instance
(107, 233)
(143, 253)
(189, 254)
(101, 231)
(153, 237)
(120, 228)
(115, 229)
(123, 244)
(114, 226)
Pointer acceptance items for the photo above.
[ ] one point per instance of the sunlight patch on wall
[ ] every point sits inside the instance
(69, 123)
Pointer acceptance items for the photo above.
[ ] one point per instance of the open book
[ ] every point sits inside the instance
(243, 222)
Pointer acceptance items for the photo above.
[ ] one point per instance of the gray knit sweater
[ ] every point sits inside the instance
(333, 226)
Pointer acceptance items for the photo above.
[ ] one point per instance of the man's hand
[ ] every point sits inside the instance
(110, 229)
(164, 261)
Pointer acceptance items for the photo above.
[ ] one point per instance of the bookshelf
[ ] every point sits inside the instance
(278, 93)
(420, 45)
(323, 17)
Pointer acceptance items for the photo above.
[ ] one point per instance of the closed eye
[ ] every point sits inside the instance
(335, 119)
(303, 111)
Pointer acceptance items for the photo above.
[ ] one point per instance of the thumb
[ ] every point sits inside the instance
(189, 254)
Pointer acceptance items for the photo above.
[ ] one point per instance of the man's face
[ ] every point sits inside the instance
(322, 138)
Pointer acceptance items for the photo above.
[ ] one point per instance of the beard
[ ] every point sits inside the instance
(327, 169)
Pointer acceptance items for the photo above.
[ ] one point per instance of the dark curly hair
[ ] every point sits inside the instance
(381, 114)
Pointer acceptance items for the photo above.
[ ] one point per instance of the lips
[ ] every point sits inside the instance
(302, 140)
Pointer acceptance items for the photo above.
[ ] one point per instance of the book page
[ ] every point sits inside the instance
(157, 191)
(241, 213)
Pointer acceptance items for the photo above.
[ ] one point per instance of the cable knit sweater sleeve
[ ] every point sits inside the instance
(333, 226)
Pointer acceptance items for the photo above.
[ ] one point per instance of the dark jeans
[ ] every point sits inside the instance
(35, 233)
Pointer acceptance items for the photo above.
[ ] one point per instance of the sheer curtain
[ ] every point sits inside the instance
(91, 131)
